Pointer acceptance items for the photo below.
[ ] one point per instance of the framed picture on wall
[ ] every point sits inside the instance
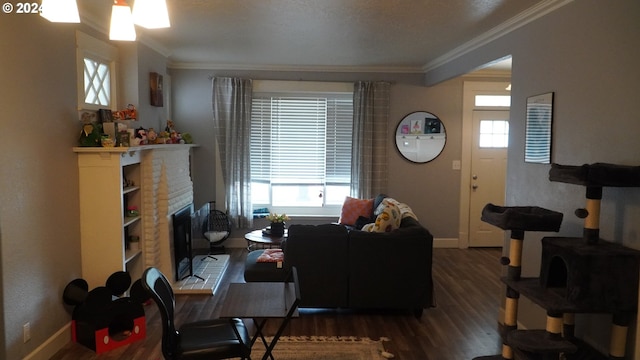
(537, 148)
(155, 81)
(416, 126)
(105, 115)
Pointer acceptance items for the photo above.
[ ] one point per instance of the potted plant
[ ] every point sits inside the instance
(277, 223)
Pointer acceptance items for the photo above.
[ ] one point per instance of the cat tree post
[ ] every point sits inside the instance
(517, 219)
(514, 270)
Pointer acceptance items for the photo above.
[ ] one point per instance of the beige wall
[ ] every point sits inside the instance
(431, 189)
(39, 228)
(587, 53)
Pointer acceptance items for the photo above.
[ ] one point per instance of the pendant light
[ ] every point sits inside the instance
(121, 22)
(151, 14)
(62, 11)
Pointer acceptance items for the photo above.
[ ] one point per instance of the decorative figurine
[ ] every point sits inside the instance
(152, 136)
(130, 113)
(90, 135)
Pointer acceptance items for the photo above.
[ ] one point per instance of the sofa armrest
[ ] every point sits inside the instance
(319, 252)
(391, 270)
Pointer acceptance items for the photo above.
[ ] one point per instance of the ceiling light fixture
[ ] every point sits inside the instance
(62, 11)
(121, 22)
(151, 14)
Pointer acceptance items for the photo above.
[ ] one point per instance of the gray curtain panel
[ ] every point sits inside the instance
(369, 154)
(232, 124)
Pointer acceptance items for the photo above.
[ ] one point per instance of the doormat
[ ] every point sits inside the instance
(207, 271)
(324, 348)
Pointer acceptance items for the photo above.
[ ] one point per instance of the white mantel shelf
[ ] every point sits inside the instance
(118, 149)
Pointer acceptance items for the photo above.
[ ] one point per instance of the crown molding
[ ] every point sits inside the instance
(295, 68)
(535, 12)
(154, 45)
(91, 21)
(487, 73)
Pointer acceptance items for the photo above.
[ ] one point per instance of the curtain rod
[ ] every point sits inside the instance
(210, 77)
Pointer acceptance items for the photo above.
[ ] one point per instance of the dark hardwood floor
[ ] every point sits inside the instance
(461, 327)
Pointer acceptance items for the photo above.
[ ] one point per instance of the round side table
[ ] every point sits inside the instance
(257, 240)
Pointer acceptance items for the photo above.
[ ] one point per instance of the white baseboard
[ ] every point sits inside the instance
(52, 345)
(445, 243)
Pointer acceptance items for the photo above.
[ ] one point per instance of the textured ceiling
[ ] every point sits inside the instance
(386, 34)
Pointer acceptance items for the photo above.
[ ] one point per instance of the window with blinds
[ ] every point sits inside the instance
(300, 150)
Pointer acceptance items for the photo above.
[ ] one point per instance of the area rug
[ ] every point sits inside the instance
(208, 272)
(323, 348)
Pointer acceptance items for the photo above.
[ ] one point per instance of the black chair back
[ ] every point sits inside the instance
(293, 279)
(160, 290)
(296, 284)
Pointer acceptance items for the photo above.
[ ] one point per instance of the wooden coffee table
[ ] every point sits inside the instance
(257, 240)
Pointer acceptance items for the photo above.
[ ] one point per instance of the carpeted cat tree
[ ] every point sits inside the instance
(577, 275)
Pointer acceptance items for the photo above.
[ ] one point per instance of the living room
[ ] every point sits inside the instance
(584, 51)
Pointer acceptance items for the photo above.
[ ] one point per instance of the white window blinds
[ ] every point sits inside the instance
(304, 140)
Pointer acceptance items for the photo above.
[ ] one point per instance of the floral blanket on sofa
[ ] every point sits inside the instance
(389, 214)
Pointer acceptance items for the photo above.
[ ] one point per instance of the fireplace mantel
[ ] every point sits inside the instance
(165, 186)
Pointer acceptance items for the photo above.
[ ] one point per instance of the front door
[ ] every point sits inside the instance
(488, 174)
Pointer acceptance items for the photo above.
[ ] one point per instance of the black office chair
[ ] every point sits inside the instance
(208, 339)
(216, 228)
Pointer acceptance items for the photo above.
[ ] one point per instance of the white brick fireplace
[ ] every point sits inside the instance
(167, 187)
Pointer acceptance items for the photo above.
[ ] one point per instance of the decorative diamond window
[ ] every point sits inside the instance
(494, 134)
(97, 84)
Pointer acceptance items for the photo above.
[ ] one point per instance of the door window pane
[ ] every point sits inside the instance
(493, 100)
(494, 134)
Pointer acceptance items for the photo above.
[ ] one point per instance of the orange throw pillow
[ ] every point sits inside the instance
(354, 208)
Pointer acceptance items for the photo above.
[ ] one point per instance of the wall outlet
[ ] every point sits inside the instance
(456, 165)
(26, 332)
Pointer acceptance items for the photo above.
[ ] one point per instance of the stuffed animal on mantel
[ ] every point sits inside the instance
(90, 135)
(141, 136)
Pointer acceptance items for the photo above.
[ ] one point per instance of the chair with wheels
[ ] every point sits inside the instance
(207, 339)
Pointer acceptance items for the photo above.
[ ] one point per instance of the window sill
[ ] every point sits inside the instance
(300, 219)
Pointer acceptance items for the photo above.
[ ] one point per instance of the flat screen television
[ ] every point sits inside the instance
(182, 254)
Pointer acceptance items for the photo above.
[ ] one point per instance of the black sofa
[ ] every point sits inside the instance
(340, 267)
